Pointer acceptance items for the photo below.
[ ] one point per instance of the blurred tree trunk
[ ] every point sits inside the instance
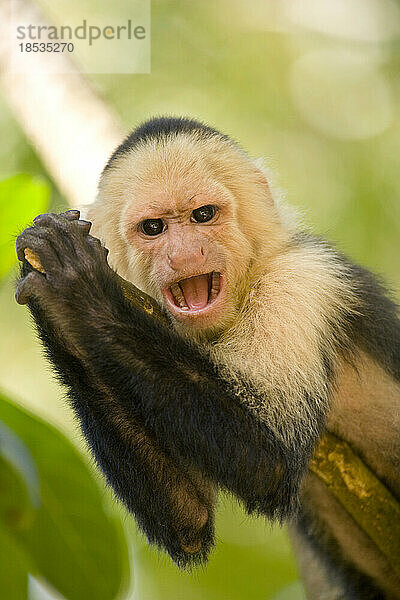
(71, 128)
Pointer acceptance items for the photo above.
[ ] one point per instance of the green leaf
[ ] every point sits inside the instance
(14, 568)
(16, 512)
(16, 509)
(16, 454)
(71, 539)
(22, 198)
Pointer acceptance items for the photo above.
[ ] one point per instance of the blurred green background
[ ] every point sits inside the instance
(314, 87)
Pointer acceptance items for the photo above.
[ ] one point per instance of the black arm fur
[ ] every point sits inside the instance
(170, 508)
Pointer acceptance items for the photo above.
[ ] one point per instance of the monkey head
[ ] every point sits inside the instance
(193, 212)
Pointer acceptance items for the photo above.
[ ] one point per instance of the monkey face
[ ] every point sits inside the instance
(190, 251)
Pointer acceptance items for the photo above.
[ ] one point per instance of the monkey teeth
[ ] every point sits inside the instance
(215, 285)
(196, 293)
(178, 296)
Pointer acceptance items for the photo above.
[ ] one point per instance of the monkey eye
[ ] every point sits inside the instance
(152, 226)
(204, 213)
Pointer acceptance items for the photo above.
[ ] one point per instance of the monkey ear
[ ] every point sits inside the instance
(263, 178)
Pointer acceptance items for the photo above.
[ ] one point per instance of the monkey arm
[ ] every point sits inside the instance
(154, 376)
(194, 414)
(173, 506)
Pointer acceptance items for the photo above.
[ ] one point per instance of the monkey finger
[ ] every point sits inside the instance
(83, 225)
(44, 219)
(60, 230)
(66, 223)
(97, 246)
(22, 242)
(35, 240)
(72, 214)
(29, 287)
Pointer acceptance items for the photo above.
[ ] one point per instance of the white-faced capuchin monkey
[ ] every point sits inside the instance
(273, 338)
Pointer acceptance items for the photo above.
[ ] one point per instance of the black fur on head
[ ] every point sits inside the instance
(161, 127)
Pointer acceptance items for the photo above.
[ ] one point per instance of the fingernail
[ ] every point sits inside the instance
(85, 225)
(72, 214)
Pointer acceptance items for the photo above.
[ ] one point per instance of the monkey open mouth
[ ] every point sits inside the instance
(195, 294)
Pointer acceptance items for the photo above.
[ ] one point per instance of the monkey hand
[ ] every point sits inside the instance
(67, 261)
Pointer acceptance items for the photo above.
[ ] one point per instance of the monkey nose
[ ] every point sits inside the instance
(180, 260)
